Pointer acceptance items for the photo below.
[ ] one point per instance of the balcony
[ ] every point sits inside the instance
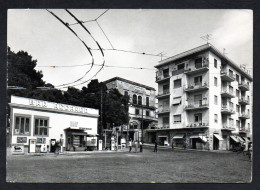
(227, 93)
(164, 126)
(227, 110)
(196, 106)
(243, 86)
(226, 127)
(227, 76)
(163, 110)
(243, 130)
(162, 78)
(243, 101)
(244, 116)
(198, 69)
(201, 124)
(164, 94)
(177, 72)
(196, 87)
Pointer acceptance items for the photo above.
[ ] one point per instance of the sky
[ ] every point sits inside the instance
(170, 31)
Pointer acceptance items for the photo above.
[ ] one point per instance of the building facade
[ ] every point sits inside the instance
(204, 100)
(141, 107)
(43, 121)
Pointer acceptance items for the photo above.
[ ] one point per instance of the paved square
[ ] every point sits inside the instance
(165, 166)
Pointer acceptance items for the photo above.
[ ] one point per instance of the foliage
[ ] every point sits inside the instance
(22, 73)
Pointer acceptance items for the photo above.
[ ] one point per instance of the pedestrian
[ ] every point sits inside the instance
(130, 145)
(136, 146)
(155, 146)
(141, 146)
(172, 145)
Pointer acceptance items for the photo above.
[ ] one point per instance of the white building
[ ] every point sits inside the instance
(45, 121)
(204, 100)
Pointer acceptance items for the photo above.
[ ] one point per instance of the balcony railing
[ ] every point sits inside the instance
(199, 124)
(197, 69)
(197, 105)
(244, 115)
(227, 92)
(227, 76)
(164, 126)
(163, 93)
(177, 72)
(163, 109)
(243, 101)
(243, 130)
(243, 86)
(196, 87)
(227, 109)
(228, 127)
(162, 77)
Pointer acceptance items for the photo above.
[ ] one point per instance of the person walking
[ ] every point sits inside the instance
(155, 146)
(141, 146)
(130, 145)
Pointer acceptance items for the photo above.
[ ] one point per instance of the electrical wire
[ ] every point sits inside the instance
(65, 24)
(105, 34)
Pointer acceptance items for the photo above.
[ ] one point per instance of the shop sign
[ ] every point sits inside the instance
(91, 141)
(21, 140)
(41, 140)
(17, 148)
(83, 128)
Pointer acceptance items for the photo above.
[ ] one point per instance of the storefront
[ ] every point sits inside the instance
(73, 127)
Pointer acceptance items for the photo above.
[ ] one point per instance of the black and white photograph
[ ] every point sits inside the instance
(129, 96)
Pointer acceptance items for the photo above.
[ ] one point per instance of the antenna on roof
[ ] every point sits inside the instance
(224, 51)
(162, 54)
(207, 37)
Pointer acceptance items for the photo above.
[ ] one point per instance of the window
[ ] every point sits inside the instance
(215, 63)
(147, 113)
(166, 89)
(238, 124)
(177, 83)
(165, 121)
(237, 93)
(177, 118)
(248, 98)
(139, 100)
(198, 99)
(237, 78)
(198, 63)
(126, 93)
(41, 127)
(134, 99)
(137, 111)
(230, 73)
(215, 81)
(147, 101)
(237, 108)
(230, 89)
(22, 125)
(198, 80)
(198, 117)
(165, 73)
(216, 118)
(216, 100)
(231, 122)
(180, 66)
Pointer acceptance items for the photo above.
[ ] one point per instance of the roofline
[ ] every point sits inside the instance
(129, 81)
(201, 48)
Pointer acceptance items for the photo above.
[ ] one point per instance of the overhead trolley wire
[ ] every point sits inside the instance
(89, 50)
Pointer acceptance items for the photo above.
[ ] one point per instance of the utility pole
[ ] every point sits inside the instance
(101, 113)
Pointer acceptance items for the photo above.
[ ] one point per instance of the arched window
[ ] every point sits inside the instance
(147, 101)
(139, 100)
(134, 99)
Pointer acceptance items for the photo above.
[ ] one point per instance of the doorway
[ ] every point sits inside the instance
(215, 143)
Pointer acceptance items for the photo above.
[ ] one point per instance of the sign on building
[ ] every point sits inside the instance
(17, 149)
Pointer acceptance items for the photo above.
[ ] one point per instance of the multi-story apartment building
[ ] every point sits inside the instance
(141, 106)
(204, 100)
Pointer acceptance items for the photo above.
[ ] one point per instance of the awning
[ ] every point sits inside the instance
(178, 137)
(218, 137)
(176, 100)
(246, 139)
(83, 133)
(240, 139)
(234, 139)
(204, 139)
